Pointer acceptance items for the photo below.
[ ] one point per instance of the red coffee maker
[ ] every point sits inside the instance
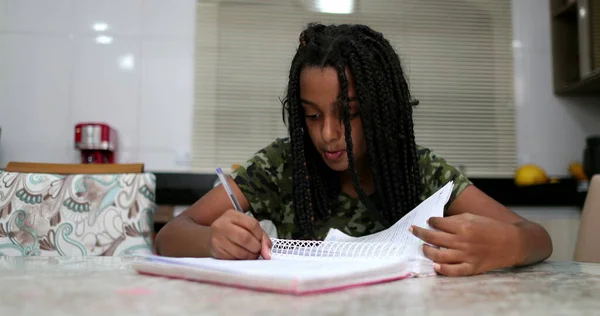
(97, 142)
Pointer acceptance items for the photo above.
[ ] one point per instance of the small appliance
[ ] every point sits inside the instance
(97, 142)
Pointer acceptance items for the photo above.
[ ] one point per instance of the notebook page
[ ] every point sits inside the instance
(280, 268)
(334, 249)
(398, 233)
(394, 241)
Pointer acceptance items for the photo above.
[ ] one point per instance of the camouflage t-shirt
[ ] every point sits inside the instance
(266, 181)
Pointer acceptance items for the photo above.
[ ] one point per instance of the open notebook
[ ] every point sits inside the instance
(306, 267)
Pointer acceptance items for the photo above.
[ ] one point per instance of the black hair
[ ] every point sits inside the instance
(385, 108)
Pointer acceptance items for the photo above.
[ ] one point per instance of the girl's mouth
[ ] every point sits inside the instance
(334, 155)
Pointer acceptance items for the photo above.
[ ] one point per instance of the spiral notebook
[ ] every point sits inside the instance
(301, 267)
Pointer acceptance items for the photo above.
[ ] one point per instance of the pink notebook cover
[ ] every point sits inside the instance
(247, 282)
(287, 292)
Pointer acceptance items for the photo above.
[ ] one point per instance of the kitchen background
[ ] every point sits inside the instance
(130, 63)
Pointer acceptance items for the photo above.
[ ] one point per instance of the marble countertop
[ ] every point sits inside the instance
(109, 286)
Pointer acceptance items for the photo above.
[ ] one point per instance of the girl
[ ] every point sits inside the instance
(351, 163)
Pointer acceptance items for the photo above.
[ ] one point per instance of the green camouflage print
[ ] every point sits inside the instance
(266, 181)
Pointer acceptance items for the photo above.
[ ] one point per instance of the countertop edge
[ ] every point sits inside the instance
(187, 188)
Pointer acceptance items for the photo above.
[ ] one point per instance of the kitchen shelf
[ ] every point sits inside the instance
(586, 85)
(575, 33)
(566, 9)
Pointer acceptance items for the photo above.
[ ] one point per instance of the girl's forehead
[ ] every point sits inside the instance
(327, 78)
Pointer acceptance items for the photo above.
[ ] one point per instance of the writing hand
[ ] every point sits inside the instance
(235, 235)
(471, 244)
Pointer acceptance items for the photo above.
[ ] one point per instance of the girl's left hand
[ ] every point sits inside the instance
(471, 244)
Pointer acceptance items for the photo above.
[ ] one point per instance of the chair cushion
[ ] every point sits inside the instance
(76, 215)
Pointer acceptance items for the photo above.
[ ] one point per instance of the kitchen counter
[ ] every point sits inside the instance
(108, 286)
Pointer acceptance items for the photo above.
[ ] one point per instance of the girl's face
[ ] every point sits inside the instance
(319, 91)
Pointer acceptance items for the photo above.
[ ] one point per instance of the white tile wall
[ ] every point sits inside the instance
(173, 19)
(106, 85)
(167, 70)
(46, 17)
(2, 16)
(122, 17)
(54, 74)
(34, 87)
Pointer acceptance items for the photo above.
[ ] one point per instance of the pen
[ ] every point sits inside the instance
(234, 201)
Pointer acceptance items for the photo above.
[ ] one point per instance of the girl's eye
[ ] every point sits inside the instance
(355, 115)
(313, 116)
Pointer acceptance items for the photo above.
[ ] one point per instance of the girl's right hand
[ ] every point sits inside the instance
(235, 235)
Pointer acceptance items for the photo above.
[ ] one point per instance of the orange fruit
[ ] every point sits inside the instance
(530, 174)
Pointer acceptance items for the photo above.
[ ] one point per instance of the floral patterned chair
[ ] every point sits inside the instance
(51, 214)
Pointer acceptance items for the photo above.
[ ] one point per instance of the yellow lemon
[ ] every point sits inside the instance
(530, 174)
(576, 170)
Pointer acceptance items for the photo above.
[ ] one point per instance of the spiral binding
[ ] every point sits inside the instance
(322, 249)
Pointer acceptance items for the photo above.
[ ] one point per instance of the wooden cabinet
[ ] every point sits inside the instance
(575, 27)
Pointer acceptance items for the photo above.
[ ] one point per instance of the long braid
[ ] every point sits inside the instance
(383, 151)
(314, 187)
(301, 185)
(390, 150)
(384, 51)
(386, 112)
(325, 197)
(402, 94)
(356, 64)
(348, 135)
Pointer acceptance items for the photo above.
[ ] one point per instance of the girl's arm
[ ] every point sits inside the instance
(211, 227)
(533, 239)
(479, 234)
